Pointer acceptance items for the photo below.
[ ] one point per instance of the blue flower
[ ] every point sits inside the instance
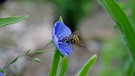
(1, 74)
(60, 31)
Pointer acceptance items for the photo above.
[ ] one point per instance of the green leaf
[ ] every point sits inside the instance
(38, 52)
(27, 52)
(36, 60)
(13, 61)
(130, 71)
(11, 20)
(55, 62)
(50, 42)
(126, 28)
(132, 4)
(87, 66)
(64, 65)
(2, 71)
(7, 65)
(61, 19)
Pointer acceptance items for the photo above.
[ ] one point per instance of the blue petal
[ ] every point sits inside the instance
(65, 48)
(61, 30)
(1, 74)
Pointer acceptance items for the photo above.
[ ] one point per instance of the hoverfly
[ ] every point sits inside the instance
(73, 38)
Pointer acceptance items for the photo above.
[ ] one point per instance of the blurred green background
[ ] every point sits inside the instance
(98, 33)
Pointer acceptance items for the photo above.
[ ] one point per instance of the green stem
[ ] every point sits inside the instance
(64, 66)
(13, 61)
(55, 62)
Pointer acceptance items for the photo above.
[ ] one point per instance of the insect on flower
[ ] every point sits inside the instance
(63, 39)
(73, 38)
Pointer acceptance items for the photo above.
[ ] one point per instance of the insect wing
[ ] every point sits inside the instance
(77, 33)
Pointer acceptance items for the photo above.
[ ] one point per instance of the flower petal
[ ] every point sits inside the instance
(65, 48)
(61, 30)
(1, 74)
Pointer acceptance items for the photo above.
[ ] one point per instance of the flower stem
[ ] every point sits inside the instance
(55, 62)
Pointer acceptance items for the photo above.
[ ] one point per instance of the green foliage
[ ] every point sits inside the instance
(126, 25)
(72, 11)
(132, 5)
(36, 60)
(38, 52)
(11, 20)
(54, 70)
(7, 21)
(27, 52)
(50, 42)
(113, 57)
(56, 59)
(123, 23)
(64, 65)
(130, 68)
(41, 51)
(55, 62)
(61, 19)
(87, 66)
(13, 61)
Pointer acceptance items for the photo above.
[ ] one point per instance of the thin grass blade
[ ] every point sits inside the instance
(126, 28)
(85, 69)
(130, 71)
(132, 5)
(11, 20)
